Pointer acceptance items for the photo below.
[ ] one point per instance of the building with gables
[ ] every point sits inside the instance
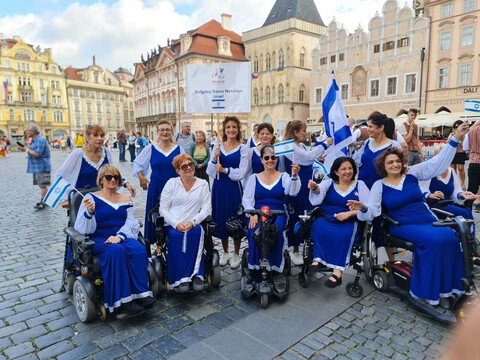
(279, 52)
(100, 97)
(32, 89)
(159, 80)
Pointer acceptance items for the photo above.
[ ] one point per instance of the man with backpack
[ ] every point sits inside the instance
(185, 138)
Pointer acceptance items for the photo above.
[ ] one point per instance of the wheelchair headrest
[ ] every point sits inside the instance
(74, 201)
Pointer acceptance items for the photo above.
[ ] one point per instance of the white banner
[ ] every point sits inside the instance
(218, 88)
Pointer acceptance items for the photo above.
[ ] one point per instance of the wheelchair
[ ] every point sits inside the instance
(395, 276)
(159, 259)
(81, 276)
(303, 231)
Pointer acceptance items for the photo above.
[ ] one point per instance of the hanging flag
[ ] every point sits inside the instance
(56, 192)
(284, 147)
(48, 95)
(254, 76)
(280, 70)
(5, 90)
(472, 105)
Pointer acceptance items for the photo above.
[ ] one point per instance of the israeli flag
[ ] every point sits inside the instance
(284, 147)
(55, 194)
(472, 105)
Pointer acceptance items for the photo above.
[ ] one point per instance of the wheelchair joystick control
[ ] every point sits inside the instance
(266, 211)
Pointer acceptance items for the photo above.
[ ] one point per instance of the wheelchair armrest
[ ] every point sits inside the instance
(208, 219)
(75, 235)
(442, 213)
(390, 220)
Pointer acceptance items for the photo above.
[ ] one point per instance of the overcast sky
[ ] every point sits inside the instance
(119, 31)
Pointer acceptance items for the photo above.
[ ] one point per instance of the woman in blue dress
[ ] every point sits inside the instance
(185, 203)
(297, 130)
(437, 265)
(108, 218)
(224, 168)
(159, 157)
(269, 188)
(80, 168)
(335, 232)
(254, 140)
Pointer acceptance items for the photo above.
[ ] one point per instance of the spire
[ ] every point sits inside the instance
(300, 9)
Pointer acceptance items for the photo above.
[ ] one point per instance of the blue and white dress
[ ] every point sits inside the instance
(251, 142)
(305, 158)
(185, 250)
(162, 170)
(253, 164)
(124, 266)
(438, 264)
(333, 239)
(258, 194)
(227, 190)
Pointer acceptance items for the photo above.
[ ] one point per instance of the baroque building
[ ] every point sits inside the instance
(159, 80)
(378, 70)
(279, 53)
(32, 90)
(100, 97)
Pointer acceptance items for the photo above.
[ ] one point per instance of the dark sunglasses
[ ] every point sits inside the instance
(110, 177)
(273, 157)
(188, 165)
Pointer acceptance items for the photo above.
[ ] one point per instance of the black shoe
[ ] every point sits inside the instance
(146, 302)
(312, 269)
(197, 284)
(39, 206)
(333, 284)
(129, 310)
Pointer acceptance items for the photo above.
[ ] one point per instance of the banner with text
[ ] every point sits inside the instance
(218, 88)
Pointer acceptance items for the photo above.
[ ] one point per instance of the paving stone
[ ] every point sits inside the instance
(93, 334)
(177, 323)
(53, 337)
(19, 350)
(204, 328)
(167, 346)
(54, 350)
(79, 352)
(113, 352)
(303, 350)
(28, 334)
(187, 337)
(146, 353)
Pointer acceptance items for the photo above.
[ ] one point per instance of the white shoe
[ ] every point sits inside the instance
(235, 261)
(297, 258)
(224, 258)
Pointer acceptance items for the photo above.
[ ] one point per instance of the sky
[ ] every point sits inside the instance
(117, 32)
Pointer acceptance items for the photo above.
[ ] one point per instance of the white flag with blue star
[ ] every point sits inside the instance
(472, 105)
(54, 195)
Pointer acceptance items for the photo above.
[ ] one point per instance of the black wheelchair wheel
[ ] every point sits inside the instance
(287, 267)
(354, 290)
(264, 300)
(370, 256)
(216, 276)
(69, 281)
(153, 280)
(380, 281)
(303, 279)
(84, 306)
(242, 287)
(245, 262)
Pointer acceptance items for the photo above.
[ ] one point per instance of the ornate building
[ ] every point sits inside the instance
(100, 97)
(280, 55)
(454, 51)
(159, 80)
(378, 70)
(32, 90)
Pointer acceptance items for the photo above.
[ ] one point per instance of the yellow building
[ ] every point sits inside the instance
(32, 90)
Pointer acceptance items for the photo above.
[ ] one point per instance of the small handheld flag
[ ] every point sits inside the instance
(55, 194)
(472, 105)
(284, 147)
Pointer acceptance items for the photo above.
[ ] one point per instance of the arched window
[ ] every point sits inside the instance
(302, 57)
(281, 59)
(255, 97)
(281, 97)
(267, 96)
(12, 115)
(255, 65)
(301, 94)
(268, 62)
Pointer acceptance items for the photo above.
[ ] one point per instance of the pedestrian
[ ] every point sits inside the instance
(69, 144)
(38, 162)
(213, 139)
(409, 131)
(254, 141)
(224, 168)
(200, 153)
(458, 163)
(131, 140)
(140, 142)
(122, 143)
(185, 138)
(79, 140)
(3, 148)
(159, 157)
(472, 144)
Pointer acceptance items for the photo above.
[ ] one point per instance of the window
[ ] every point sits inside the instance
(280, 94)
(465, 74)
(389, 45)
(7, 64)
(12, 115)
(376, 48)
(77, 106)
(53, 70)
(281, 59)
(41, 84)
(255, 65)
(442, 78)
(445, 40)
(10, 97)
(58, 116)
(268, 62)
(467, 36)
(44, 116)
(40, 68)
(78, 122)
(344, 90)
(267, 96)
(447, 10)
(468, 5)
(28, 115)
(301, 94)
(374, 88)
(403, 42)
(255, 97)
(323, 61)
(318, 95)
(333, 58)
(89, 107)
(410, 83)
(302, 60)
(392, 86)
(99, 108)
(341, 57)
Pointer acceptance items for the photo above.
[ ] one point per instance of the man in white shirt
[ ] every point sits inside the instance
(409, 131)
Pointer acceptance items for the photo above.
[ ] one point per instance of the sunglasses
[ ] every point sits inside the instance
(188, 165)
(273, 157)
(110, 177)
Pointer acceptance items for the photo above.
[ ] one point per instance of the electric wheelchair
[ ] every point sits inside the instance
(81, 275)
(159, 259)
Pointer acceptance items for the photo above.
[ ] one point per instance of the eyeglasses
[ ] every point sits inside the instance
(164, 130)
(187, 165)
(110, 177)
(273, 157)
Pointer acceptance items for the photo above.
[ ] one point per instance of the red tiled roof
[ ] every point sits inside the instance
(214, 29)
(71, 73)
(208, 46)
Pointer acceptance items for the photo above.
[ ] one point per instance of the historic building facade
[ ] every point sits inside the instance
(378, 70)
(159, 80)
(100, 97)
(279, 52)
(32, 90)
(453, 73)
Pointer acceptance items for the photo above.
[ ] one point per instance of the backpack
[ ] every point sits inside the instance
(178, 134)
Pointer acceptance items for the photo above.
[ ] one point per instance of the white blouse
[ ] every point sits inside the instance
(142, 161)
(235, 174)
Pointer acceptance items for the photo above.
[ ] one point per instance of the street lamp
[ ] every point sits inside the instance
(422, 59)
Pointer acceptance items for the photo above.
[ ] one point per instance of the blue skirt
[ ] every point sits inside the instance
(275, 254)
(125, 271)
(226, 196)
(333, 241)
(185, 255)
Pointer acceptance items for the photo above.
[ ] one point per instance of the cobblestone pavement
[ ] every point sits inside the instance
(38, 322)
